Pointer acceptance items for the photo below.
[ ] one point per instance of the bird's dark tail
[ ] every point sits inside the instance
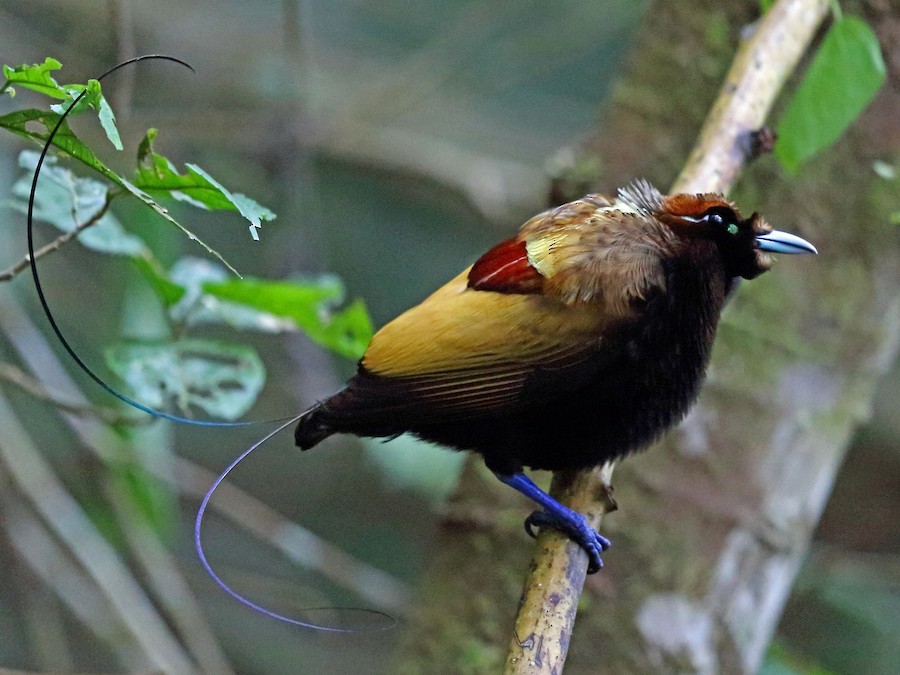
(312, 428)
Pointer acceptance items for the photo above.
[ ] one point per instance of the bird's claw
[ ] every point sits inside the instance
(575, 527)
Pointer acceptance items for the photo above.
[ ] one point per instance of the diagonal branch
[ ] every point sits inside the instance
(11, 272)
(547, 612)
(34, 388)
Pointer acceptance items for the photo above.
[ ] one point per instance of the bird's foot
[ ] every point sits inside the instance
(575, 527)
(571, 523)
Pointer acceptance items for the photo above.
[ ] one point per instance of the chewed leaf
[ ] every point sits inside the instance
(248, 208)
(309, 304)
(37, 124)
(90, 99)
(844, 76)
(66, 201)
(156, 175)
(108, 122)
(36, 77)
(221, 379)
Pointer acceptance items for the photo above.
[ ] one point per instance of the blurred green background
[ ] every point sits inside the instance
(395, 143)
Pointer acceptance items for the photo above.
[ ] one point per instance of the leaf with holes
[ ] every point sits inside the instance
(66, 201)
(92, 99)
(157, 176)
(37, 125)
(221, 379)
(197, 307)
(37, 77)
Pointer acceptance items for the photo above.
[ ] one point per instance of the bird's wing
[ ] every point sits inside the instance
(534, 317)
(465, 352)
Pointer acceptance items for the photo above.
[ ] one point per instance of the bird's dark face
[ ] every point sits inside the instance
(743, 243)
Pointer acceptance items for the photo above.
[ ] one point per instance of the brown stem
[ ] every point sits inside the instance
(11, 272)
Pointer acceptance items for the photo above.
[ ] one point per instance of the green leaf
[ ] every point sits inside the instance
(347, 332)
(843, 78)
(164, 213)
(198, 307)
(93, 99)
(166, 290)
(157, 175)
(309, 304)
(65, 201)
(36, 77)
(90, 100)
(108, 122)
(765, 5)
(221, 379)
(37, 125)
(24, 123)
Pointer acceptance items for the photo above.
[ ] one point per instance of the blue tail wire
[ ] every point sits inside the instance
(198, 543)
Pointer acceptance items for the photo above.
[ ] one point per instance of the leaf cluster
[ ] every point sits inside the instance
(220, 378)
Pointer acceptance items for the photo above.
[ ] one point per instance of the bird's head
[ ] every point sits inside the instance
(742, 242)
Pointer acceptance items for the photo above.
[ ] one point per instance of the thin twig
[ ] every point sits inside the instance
(547, 612)
(34, 388)
(59, 242)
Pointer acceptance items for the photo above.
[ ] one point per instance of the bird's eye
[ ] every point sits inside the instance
(722, 217)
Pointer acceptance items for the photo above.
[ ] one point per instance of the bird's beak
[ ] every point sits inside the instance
(784, 242)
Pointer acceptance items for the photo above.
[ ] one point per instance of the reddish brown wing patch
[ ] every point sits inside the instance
(506, 269)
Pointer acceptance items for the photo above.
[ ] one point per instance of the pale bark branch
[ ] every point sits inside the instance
(31, 386)
(65, 517)
(761, 66)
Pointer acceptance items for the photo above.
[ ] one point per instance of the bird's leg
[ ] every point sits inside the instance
(555, 515)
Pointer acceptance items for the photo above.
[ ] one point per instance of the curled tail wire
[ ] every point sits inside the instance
(198, 524)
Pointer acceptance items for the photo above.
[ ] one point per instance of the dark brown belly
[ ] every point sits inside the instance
(624, 409)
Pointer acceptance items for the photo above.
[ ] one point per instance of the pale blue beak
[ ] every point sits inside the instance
(784, 242)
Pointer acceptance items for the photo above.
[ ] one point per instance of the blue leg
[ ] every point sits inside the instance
(555, 515)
